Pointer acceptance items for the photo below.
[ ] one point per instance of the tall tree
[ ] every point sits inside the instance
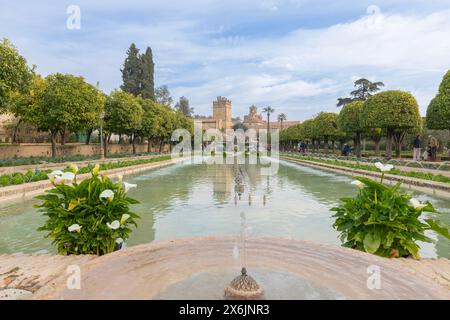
(325, 127)
(22, 105)
(147, 84)
(131, 72)
(281, 118)
(15, 75)
(162, 96)
(364, 90)
(123, 115)
(268, 110)
(438, 112)
(396, 112)
(183, 106)
(67, 103)
(349, 121)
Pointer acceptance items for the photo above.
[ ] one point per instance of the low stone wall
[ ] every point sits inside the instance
(70, 149)
(428, 186)
(29, 190)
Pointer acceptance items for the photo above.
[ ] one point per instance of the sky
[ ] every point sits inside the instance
(297, 56)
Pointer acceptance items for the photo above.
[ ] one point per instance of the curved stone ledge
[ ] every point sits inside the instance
(428, 186)
(144, 271)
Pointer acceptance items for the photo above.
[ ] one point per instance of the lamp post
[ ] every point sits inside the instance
(101, 117)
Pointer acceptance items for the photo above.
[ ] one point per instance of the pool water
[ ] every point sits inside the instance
(186, 200)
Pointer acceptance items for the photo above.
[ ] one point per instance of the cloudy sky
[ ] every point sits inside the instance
(298, 56)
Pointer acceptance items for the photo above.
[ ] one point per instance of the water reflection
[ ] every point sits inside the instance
(198, 200)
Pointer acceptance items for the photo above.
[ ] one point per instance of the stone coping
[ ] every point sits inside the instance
(143, 271)
(31, 189)
(428, 186)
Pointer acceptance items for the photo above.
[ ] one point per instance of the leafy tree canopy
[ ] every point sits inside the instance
(123, 113)
(364, 90)
(67, 102)
(183, 107)
(391, 110)
(438, 112)
(162, 96)
(349, 119)
(15, 75)
(325, 125)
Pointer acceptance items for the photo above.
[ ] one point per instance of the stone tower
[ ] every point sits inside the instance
(222, 112)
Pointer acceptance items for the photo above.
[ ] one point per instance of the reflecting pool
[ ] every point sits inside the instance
(198, 199)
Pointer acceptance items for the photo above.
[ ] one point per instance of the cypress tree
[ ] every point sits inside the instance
(147, 88)
(131, 72)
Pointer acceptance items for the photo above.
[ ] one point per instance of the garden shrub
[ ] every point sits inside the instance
(91, 217)
(384, 220)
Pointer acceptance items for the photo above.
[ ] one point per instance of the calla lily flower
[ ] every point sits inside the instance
(107, 194)
(127, 186)
(96, 170)
(113, 225)
(55, 173)
(65, 177)
(124, 218)
(384, 167)
(74, 227)
(358, 183)
(119, 240)
(417, 204)
(73, 167)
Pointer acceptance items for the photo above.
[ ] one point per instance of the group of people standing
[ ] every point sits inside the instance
(430, 153)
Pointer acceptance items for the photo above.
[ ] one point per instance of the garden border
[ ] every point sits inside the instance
(31, 189)
(428, 186)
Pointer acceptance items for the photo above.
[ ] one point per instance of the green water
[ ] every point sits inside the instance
(199, 200)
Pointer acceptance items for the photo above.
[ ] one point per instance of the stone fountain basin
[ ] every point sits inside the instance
(199, 268)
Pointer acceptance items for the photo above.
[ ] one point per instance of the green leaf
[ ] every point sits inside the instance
(371, 242)
(440, 229)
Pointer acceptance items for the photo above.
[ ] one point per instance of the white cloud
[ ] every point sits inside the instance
(203, 49)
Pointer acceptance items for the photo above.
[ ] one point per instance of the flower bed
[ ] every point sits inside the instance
(371, 167)
(38, 175)
(11, 162)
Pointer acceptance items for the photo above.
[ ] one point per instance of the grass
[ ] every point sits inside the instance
(371, 167)
(38, 175)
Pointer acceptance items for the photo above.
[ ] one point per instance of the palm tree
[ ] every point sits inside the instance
(268, 110)
(281, 117)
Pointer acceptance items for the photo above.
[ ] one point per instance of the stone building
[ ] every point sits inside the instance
(254, 120)
(221, 118)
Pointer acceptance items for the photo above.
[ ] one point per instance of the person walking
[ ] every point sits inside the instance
(416, 148)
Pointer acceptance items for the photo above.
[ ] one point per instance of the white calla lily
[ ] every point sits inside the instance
(127, 186)
(113, 225)
(107, 194)
(384, 167)
(358, 183)
(65, 177)
(124, 218)
(119, 240)
(55, 173)
(74, 227)
(417, 204)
